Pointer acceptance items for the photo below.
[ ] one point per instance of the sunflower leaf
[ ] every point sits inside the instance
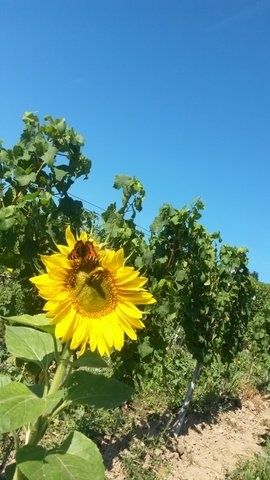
(31, 345)
(4, 380)
(18, 406)
(97, 390)
(91, 360)
(39, 321)
(50, 401)
(81, 446)
(77, 459)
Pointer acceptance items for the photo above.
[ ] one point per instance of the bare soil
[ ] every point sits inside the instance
(211, 445)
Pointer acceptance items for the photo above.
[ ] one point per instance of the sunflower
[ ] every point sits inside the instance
(91, 296)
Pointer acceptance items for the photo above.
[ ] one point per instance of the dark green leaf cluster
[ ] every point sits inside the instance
(133, 194)
(258, 333)
(35, 176)
(117, 225)
(12, 296)
(202, 287)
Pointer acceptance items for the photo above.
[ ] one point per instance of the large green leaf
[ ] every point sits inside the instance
(145, 348)
(39, 321)
(31, 345)
(6, 224)
(7, 212)
(90, 359)
(4, 380)
(35, 463)
(49, 156)
(18, 406)
(52, 400)
(81, 446)
(49, 401)
(97, 390)
(7, 218)
(24, 180)
(59, 174)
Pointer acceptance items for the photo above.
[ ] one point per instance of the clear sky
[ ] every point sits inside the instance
(175, 92)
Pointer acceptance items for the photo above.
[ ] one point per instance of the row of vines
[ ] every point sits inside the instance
(207, 302)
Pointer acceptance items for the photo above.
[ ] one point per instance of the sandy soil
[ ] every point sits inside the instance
(210, 446)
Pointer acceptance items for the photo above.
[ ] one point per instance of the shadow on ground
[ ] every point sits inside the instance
(157, 426)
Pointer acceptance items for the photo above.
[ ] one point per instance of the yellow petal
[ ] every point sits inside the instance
(83, 236)
(65, 328)
(93, 340)
(41, 280)
(64, 249)
(80, 334)
(56, 261)
(70, 238)
(129, 309)
(128, 283)
(108, 331)
(50, 292)
(118, 335)
(112, 260)
(139, 297)
(128, 330)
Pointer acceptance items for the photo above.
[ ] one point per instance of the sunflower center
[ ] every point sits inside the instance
(94, 292)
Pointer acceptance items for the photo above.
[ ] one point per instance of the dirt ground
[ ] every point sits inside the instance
(210, 446)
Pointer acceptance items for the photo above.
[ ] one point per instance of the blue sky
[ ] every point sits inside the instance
(174, 92)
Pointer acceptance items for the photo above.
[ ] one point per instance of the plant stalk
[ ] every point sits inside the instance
(62, 370)
(39, 428)
(17, 475)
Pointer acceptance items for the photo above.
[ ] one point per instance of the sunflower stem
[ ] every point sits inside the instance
(39, 428)
(59, 409)
(62, 370)
(17, 475)
(37, 431)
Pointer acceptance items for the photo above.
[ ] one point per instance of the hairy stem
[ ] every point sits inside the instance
(39, 428)
(62, 370)
(17, 475)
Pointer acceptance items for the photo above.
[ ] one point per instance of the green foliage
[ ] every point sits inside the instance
(18, 406)
(27, 409)
(96, 390)
(133, 194)
(257, 468)
(134, 462)
(257, 337)
(261, 298)
(39, 321)
(13, 297)
(77, 459)
(204, 288)
(4, 380)
(32, 345)
(35, 176)
(90, 359)
(117, 226)
(203, 292)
